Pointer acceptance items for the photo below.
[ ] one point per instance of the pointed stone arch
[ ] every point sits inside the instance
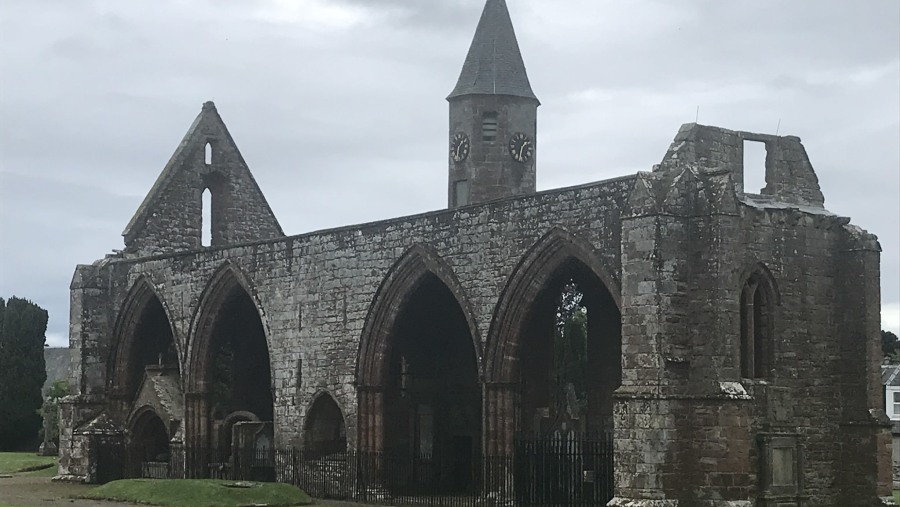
(324, 426)
(148, 434)
(142, 303)
(228, 295)
(419, 270)
(221, 285)
(758, 300)
(558, 252)
(531, 274)
(408, 272)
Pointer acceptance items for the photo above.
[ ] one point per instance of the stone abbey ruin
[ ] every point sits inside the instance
(730, 339)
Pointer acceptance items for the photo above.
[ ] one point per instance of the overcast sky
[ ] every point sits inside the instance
(338, 106)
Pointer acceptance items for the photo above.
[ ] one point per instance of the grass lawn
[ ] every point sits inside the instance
(198, 493)
(897, 496)
(12, 462)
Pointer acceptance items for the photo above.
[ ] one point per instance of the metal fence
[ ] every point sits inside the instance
(572, 470)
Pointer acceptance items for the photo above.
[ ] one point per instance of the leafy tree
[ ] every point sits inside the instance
(570, 348)
(890, 346)
(22, 372)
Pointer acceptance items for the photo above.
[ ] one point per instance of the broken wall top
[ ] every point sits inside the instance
(790, 177)
(170, 217)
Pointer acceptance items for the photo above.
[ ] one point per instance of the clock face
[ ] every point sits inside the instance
(459, 147)
(521, 148)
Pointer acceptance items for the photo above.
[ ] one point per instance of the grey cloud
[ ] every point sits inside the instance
(349, 125)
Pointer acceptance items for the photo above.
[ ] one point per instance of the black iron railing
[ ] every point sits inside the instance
(572, 470)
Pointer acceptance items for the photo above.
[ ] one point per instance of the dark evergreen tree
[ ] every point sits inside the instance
(22, 372)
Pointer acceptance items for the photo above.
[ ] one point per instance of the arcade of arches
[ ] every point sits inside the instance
(557, 366)
(568, 340)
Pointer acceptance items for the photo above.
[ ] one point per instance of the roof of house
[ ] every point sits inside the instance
(890, 375)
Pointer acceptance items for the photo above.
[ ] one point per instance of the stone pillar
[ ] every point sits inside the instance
(371, 419)
(644, 420)
(865, 463)
(196, 434)
(682, 434)
(499, 418)
(89, 347)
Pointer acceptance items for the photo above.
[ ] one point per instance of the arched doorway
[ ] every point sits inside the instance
(552, 364)
(570, 355)
(420, 396)
(230, 377)
(324, 430)
(531, 358)
(149, 438)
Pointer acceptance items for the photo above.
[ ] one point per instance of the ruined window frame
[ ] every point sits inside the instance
(757, 302)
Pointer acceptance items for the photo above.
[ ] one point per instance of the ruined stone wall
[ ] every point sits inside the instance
(170, 218)
(690, 240)
(802, 252)
(678, 243)
(314, 291)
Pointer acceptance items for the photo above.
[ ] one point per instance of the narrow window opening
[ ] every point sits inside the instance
(746, 332)
(756, 330)
(760, 336)
(489, 126)
(754, 167)
(206, 218)
(896, 396)
(461, 192)
(208, 153)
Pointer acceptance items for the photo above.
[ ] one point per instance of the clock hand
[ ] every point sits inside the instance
(526, 143)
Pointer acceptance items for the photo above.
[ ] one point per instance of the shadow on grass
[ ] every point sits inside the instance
(18, 462)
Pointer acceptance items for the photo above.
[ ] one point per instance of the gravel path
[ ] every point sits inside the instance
(30, 491)
(41, 491)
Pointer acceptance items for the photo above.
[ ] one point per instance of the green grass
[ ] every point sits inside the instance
(897, 496)
(197, 493)
(13, 462)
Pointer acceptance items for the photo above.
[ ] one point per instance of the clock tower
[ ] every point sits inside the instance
(493, 116)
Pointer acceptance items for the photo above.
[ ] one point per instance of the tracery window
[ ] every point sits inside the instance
(756, 327)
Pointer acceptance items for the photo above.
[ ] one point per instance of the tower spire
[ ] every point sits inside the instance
(494, 64)
(493, 117)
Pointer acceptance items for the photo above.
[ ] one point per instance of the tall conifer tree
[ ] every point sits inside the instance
(22, 372)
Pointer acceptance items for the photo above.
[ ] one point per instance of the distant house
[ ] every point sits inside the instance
(57, 362)
(890, 378)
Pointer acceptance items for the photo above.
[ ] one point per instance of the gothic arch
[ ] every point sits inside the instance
(149, 435)
(324, 425)
(227, 279)
(228, 308)
(420, 294)
(401, 281)
(121, 365)
(764, 274)
(758, 299)
(529, 277)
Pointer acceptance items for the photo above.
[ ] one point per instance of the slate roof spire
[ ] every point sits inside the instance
(494, 64)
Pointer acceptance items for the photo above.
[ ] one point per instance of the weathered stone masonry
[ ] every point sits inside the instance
(742, 365)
